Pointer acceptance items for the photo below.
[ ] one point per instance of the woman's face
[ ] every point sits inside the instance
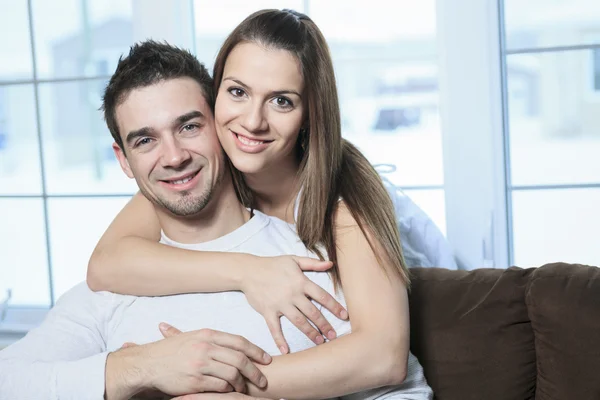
(259, 108)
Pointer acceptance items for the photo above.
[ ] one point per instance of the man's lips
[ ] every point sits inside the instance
(181, 179)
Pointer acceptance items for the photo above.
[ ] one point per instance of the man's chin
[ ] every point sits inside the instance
(187, 205)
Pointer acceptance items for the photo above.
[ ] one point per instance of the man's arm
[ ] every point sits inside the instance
(63, 358)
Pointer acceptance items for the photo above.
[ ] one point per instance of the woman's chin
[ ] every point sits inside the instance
(245, 166)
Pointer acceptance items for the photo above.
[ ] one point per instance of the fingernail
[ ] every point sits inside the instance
(163, 327)
(343, 314)
(263, 382)
(267, 358)
(282, 349)
(331, 335)
(320, 339)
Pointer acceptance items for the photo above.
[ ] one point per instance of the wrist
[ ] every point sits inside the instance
(125, 374)
(242, 274)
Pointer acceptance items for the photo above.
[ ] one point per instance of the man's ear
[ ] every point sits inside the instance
(122, 160)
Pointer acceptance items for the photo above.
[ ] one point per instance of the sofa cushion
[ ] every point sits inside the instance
(564, 307)
(471, 332)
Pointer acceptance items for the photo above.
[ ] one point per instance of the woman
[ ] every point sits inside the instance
(277, 118)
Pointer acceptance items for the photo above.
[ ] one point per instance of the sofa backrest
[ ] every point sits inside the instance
(508, 334)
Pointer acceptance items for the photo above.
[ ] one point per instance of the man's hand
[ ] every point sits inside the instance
(277, 286)
(218, 396)
(191, 362)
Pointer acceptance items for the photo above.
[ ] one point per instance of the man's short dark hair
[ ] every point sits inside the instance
(147, 63)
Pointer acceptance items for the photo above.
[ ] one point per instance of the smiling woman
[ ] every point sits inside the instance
(260, 112)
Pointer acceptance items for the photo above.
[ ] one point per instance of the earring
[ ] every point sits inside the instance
(304, 138)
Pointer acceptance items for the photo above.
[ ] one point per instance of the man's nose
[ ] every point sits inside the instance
(174, 154)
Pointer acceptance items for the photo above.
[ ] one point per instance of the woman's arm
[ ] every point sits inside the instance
(375, 353)
(129, 260)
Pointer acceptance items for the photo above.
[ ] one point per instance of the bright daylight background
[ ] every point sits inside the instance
(60, 185)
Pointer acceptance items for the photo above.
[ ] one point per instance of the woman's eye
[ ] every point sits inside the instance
(237, 92)
(282, 102)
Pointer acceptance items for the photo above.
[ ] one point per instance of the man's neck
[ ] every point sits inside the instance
(222, 215)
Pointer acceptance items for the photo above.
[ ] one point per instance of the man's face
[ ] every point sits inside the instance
(171, 146)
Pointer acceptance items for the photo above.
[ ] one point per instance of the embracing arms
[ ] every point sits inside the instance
(374, 354)
(130, 260)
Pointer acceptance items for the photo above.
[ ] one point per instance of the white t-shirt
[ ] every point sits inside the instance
(65, 357)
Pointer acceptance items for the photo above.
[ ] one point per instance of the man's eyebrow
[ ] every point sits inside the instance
(274, 93)
(131, 136)
(182, 119)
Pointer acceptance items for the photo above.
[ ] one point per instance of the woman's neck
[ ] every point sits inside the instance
(275, 190)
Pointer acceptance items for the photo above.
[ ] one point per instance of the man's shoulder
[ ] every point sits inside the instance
(82, 294)
(279, 225)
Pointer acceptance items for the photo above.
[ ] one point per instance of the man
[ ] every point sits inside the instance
(169, 145)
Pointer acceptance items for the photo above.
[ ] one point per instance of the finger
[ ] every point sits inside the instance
(223, 370)
(128, 344)
(168, 330)
(312, 264)
(274, 324)
(299, 320)
(236, 342)
(324, 298)
(239, 362)
(316, 317)
(218, 396)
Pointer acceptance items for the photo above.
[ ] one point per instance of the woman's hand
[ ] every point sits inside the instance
(277, 286)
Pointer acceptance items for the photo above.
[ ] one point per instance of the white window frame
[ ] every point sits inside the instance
(473, 115)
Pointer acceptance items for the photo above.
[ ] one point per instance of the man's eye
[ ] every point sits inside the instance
(190, 127)
(143, 141)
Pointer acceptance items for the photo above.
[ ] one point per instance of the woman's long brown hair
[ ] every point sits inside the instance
(330, 167)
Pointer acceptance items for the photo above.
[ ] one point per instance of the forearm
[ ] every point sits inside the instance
(142, 267)
(349, 364)
(125, 375)
(31, 379)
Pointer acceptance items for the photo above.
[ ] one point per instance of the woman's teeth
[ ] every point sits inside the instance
(249, 142)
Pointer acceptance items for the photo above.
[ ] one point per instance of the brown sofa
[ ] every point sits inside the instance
(508, 334)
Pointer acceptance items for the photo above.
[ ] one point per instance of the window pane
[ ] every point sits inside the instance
(388, 83)
(378, 21)
(76, 38)
(554, 118)
(215, 20)
(14, 41)
(76, 225)
(556, 225)
(19, 151)
(23, 256)
(433, 203)
(549, 23)
(77, 144)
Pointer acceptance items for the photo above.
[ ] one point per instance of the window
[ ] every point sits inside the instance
(60, 184)
(554, 169)
(513, 179)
